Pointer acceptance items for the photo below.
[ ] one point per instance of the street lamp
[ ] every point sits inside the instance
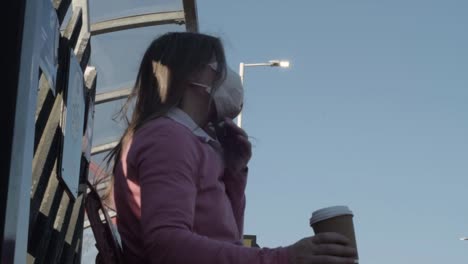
(271, 63)
(464, 238)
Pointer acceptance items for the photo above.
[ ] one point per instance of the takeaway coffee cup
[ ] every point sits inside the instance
(338, 219)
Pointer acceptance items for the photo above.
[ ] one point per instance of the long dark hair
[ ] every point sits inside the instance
(160, 83)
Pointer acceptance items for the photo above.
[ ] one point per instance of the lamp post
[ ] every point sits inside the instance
(272, 63)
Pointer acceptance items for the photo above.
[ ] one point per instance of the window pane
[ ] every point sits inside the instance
(117, 55)
(98, 168)
(107, 126)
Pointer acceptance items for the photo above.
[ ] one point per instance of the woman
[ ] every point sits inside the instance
(179, 193)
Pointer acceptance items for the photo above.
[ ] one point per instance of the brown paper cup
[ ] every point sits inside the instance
(338, 219)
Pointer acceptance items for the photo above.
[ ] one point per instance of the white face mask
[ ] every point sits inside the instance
(229, 97)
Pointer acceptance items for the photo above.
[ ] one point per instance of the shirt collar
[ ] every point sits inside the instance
(179, 116)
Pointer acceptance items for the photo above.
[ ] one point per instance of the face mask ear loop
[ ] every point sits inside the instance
(208, 89)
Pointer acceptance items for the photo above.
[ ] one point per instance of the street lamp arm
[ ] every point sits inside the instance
(257, 64)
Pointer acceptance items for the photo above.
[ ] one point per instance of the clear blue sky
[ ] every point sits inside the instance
(373, 114)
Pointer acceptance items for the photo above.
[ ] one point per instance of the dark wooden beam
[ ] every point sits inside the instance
(45, 104)
(83, 52)
(191, 15)
(73, 29)
(74, 233)
(62, 7)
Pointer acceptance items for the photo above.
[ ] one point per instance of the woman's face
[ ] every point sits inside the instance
(205, 77)
(198, 93)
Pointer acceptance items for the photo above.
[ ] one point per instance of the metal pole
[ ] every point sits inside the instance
(273, 63)
(241, 74)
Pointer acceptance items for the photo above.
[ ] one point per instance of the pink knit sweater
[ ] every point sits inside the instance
(176, 205)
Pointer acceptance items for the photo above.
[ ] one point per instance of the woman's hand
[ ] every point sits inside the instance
(236, 145)
(324, 248)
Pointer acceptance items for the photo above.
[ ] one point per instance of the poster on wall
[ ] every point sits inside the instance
(72, 125)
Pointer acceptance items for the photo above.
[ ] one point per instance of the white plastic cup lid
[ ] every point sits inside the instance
(329, 212)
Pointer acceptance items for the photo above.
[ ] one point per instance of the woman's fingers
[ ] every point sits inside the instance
(244, 142)
(325, 248)
(331, 238)
(242, 147)
(336, 250)
(234, 128)
(331, 260)
(238, 149)
(239, 143)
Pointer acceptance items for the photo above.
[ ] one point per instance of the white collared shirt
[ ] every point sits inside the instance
(179, 116)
